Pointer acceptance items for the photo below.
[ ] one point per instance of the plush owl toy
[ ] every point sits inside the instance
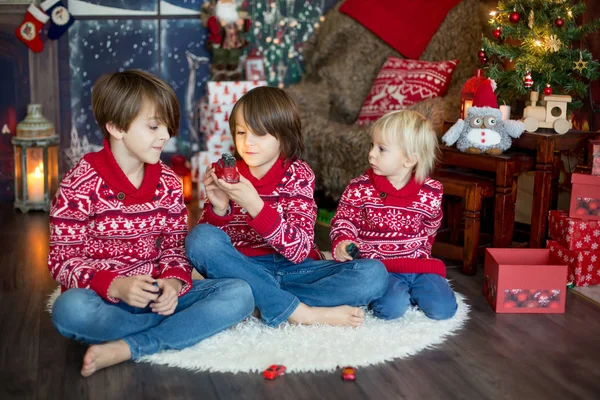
(483, 130)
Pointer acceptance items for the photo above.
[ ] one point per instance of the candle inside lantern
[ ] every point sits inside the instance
(35, 185)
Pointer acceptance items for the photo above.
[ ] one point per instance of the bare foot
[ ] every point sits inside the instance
(341, 315)
(104, 355)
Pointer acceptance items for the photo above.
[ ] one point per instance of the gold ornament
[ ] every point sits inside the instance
(531, 20)
(553, 43)
(580, 65)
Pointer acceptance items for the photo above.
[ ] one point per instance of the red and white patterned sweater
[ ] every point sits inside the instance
(396, 226)
(286, 223)
(102, 227)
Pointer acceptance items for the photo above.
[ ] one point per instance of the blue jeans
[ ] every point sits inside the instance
(278, 284)
(430, 292)
(209, 307)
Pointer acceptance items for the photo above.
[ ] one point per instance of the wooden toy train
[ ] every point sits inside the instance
(553, 114)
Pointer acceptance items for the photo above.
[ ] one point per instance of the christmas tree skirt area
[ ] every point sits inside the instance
(590, 292)
(251, 346)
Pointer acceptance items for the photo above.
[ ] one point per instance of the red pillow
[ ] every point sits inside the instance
(402, 83)
(406, 25)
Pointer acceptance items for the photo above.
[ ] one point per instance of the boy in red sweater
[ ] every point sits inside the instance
(117, 230)
(261, 229)
(392, 213)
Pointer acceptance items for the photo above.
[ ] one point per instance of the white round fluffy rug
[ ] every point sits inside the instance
(252, 346)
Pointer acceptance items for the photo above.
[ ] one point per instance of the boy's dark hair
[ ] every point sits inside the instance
(118, 97)
(269, 110)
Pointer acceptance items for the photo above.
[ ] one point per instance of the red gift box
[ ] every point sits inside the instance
(595, 145)
(573, 233)
(584, 266)
(525, 281)
(585, 197)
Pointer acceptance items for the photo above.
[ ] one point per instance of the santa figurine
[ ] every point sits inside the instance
(226, 27)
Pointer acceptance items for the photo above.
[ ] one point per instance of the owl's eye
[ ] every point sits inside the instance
(490, 121)
(476, 122)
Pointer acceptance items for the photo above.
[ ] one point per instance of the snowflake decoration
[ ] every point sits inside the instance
(553, 43)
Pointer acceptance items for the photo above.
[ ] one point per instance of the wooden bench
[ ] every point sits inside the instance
(472, 189)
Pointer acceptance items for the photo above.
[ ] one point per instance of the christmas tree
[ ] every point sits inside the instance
(280, 29)
(538, 43)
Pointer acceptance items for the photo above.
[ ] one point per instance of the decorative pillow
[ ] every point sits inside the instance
(402, 83)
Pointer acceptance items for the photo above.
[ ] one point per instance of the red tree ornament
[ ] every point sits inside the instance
(497, 32)
(482, 53)
(548, 90)
(514, 17)
(559, 22)
(483, 60)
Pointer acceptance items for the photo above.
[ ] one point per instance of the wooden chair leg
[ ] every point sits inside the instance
(472, 213)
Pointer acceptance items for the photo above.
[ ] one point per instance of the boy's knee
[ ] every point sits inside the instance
(72, 309)
(375, 277)
(239, 289)
(240, 292)
(204, 237)
(441, 311)
(390, 310)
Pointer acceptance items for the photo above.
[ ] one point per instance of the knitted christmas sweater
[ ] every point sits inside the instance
(286, 223)
(102, 227)
(396, 226)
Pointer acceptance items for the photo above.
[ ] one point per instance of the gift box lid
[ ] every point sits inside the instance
(585, 179)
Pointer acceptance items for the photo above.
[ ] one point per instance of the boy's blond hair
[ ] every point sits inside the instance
(415, 136)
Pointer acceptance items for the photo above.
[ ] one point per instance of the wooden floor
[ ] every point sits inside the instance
(494, 357)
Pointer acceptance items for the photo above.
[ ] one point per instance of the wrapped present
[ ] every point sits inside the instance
(214, 119)
(573, 233)
(584, 265)
(228, 92)
(524, 281)
(585, 197)
(595, 147)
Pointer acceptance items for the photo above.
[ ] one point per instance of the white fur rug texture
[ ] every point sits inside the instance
(251, 346)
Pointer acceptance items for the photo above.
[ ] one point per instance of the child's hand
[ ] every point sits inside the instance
(217, 196)
(244, 194)
(341, 252)
(167, 302)
(137, 291)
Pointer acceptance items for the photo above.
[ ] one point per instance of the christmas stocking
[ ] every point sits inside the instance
(61, 19)
(29, 30)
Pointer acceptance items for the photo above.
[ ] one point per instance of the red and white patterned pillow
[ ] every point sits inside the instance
(402, 83)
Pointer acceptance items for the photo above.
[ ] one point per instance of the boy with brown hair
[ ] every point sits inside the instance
(117, 230)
